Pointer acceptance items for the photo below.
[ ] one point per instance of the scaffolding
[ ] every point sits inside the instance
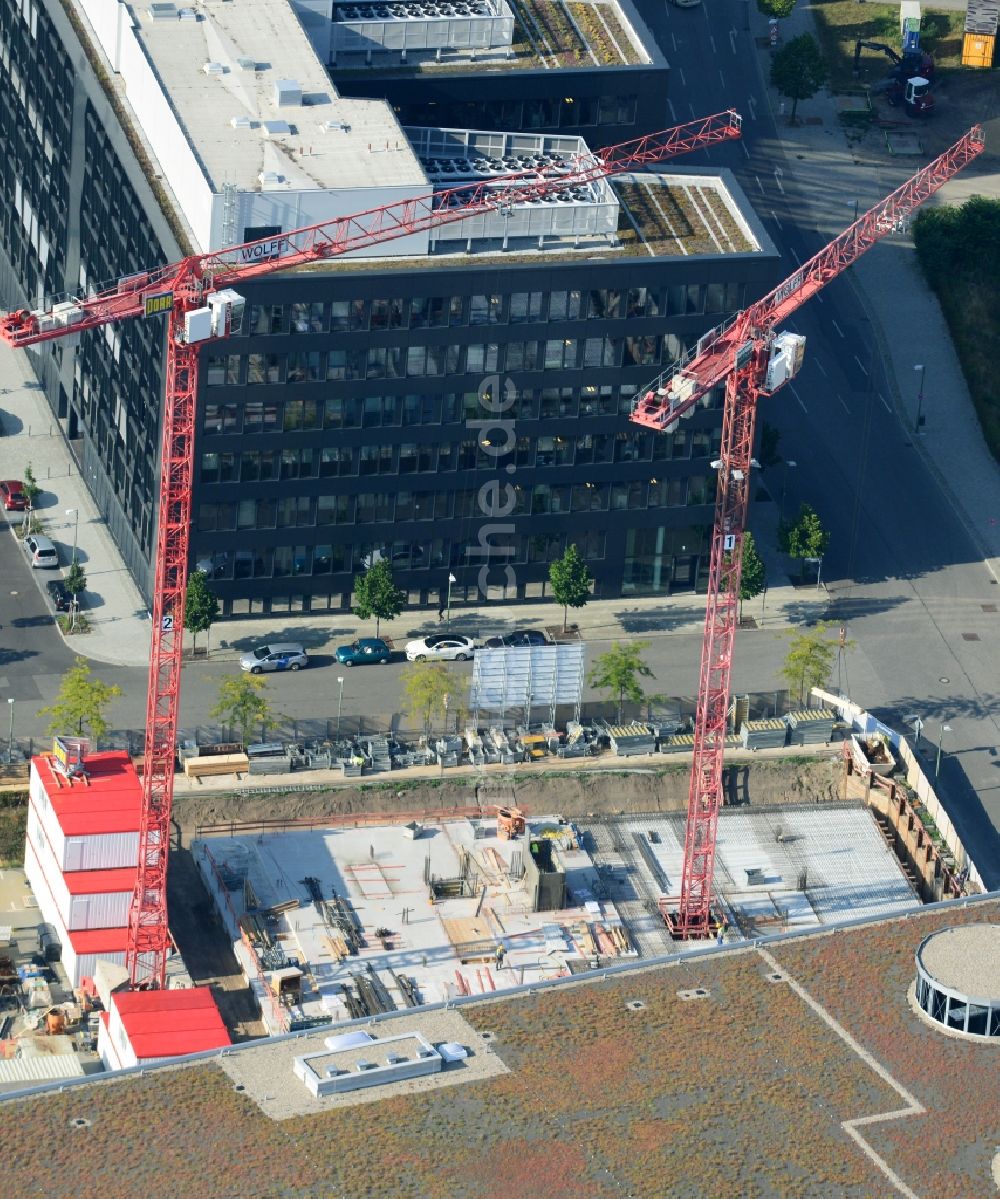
(516, 682)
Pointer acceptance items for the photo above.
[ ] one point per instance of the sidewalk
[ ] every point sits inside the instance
(120, 629)
(905, 315)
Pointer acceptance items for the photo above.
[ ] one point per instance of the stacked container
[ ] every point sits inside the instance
(979, 43)
(81, 855)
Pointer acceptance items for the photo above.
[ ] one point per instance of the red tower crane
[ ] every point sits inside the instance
(196, 294)
(753, 359)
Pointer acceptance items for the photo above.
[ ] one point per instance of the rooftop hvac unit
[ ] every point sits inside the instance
(214, 68)
(187, 14)
(246, 64)
(275, 128)
(287, 93)
(270, 178)
(241, 122)
(162, 11)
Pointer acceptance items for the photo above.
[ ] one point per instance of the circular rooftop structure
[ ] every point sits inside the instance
(958, 979)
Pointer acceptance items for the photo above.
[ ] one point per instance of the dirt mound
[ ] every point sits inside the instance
(631, 789)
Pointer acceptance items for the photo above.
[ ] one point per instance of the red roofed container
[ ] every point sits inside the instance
(148, 1026)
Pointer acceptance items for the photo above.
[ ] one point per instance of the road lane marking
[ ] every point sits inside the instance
(844, 403)
(838, 328)
(673, 115)
(861, 364)
(777, 179)
(751, 104)
(712, 41)
(820, 366)
(776, 221)
(791, 250)
(680, 71)
(732, 39)
(722, 77)
(760, 185)
(885, 404)
(798, 397)
(743, 147)
(674, 40)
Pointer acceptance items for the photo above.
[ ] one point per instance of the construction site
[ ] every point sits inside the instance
(343, 923)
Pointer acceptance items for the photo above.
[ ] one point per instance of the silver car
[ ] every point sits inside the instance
(42, 553)
(286, 655)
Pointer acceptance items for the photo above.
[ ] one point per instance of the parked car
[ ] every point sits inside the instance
(12, 494)
(363, 652)
(42, 554)
(517, 640)
(288, 655)
(443, 647)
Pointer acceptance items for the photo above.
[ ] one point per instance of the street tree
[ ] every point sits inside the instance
(75, 583)
(242, 703)
(806, 538)
(776, 8)
(31, 491)
(376, 594)
(570, 581)
(810, 659)
(753, 575)
(81, 705)
(799, 70)
(425, 685)
(201, 608)
(618, 672)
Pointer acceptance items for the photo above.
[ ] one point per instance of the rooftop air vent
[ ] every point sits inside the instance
(287, 93)
(270, 179)
(334, 127)
(187, 14)
(275, 128)
(247, 64)
(162, 11)
(214, 68)
(241, 122)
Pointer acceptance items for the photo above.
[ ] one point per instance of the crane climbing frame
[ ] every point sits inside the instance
(751, 359)
(197, 295)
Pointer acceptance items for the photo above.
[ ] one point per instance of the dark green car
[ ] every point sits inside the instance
(366, 650)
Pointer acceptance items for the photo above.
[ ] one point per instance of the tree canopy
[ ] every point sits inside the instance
(425, 685)
(201, 608)
(799, 70)
(618, 672)
(242, 703)
(376, 594)
(753, 575)
(809, 659)
(776, 8)
(81, 705)
(570, 580)
(806, 538)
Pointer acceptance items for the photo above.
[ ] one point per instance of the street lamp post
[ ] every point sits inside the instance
(340, 703)
(917, 424)
(945, 728)
(76, 528)
(451, 579)
(10, 735)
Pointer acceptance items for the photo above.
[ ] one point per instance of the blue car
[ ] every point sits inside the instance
(366, 650)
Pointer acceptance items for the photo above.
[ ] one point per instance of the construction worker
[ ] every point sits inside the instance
(500, 954)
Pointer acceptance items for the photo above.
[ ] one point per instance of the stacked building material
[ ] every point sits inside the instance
(269, 757)
(814, 726)
(763, 734)
(81, 853)
(684, 743)
(628, 740)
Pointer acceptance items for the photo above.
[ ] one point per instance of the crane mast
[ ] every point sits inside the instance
(752, 360)
(183, 290)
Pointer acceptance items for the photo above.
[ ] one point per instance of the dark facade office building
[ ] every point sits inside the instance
(457, 415)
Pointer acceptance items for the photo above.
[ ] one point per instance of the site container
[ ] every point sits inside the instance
(979, 43)
(978, 50)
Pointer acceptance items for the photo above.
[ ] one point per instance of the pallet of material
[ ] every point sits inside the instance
(216, 764)
(684, 743)
(814, 726)
(763, 734)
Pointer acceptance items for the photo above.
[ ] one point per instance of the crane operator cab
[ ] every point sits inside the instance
(915, 94)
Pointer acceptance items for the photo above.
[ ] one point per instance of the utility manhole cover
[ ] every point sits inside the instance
(970, 636)
(988, 607)
(944, 679)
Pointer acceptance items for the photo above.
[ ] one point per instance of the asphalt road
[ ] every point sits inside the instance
(33, 656)
(902, 570)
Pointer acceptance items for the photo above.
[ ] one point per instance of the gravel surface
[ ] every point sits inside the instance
(966, 959)
(265, 1071)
